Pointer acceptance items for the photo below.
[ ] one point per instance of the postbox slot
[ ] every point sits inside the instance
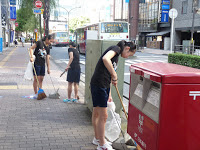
(145, 96)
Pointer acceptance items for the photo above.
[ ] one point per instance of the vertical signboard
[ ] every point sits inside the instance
(165, 11)
(12, 2)
(165, 16)
(13, 13)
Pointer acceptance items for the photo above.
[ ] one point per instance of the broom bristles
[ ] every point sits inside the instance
(41, 96)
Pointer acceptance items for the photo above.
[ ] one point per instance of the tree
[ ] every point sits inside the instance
(78, 22)
(26, 19)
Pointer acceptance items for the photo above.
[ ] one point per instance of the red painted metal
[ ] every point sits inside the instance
(178, 127)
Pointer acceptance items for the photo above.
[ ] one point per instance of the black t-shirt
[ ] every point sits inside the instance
(41, 51)
(101, 76)
(75, 63)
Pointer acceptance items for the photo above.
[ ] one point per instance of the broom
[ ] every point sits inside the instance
(121, 102)
(41, 94)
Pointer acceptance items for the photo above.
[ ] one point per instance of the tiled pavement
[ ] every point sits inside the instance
(27, 124)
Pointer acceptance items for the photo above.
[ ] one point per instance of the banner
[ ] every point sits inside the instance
(13, 13)
(12, 2)
(165, 16)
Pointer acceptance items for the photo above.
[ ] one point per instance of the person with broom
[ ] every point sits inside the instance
(41, 51)
(104, 75)
(73, 74)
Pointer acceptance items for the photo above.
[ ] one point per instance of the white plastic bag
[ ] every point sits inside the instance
(29, 71)
(113, 123)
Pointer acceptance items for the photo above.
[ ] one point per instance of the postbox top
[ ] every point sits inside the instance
(167, 72)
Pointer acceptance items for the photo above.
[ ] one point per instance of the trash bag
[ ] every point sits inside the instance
(113, 123)
(29, 71)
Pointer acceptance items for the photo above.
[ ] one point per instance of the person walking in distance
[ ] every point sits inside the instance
(42, 53)
(73, 74)
(101, 80)
(22, 40)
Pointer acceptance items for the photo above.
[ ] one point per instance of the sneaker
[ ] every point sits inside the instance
(66, 100)
(106, 146)
(34, 96)
(75, 100)
(96, 142)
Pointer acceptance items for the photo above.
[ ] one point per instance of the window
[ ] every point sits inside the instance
(114, 27)
(184, 7)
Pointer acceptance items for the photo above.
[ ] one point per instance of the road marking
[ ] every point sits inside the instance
(6, 58)
(8, 87)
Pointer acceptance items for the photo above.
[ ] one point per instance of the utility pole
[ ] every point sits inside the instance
(46, 16)
(122, 10)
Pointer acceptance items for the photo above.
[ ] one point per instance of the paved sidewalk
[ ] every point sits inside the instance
(155, 51)
(27, 124)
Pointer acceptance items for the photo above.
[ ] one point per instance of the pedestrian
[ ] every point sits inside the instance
(15, 42)
(31, 39)
(22, 40)
(42, 52)
(73, 74)
(104, 75)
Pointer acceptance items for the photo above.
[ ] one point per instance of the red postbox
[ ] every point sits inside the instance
(164, 106)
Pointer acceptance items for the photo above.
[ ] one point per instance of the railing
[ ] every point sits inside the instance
(193, 50)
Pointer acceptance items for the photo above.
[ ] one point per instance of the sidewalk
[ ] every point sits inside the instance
(155, 51)
(27, 124)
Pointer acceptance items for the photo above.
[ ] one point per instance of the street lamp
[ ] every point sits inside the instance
(68, 11)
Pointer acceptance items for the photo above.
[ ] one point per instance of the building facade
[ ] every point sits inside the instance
(183, 22)
(150, 23)
(5, 22)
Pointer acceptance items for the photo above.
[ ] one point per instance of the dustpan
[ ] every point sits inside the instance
(55, 95)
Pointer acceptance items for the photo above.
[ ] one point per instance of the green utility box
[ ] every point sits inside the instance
(94, 50)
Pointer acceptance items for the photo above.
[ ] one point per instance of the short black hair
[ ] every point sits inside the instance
(49, 37)
(72, 44)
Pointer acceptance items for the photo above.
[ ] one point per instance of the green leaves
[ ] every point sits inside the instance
(77, 22)
(185, 60)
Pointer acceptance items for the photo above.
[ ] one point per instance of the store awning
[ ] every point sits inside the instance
(158, 33)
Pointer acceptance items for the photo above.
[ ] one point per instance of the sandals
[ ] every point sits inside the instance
(66, 100)
(75, 100)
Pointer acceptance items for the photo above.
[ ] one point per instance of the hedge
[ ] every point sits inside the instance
(185, 60)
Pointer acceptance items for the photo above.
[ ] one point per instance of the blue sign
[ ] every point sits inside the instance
(13, 13)
(12, 2)
(11, 36)
(165, 1)
(37, 11)
(165, 7)
(127, 1)
(165, 16)
(1, 45)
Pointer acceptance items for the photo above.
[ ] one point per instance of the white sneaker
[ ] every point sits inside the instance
(96, 142)
(106, 146)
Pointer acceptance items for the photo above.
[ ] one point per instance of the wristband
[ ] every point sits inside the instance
(114, 80)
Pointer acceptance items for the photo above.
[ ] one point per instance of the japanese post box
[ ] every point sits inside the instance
(164, 106)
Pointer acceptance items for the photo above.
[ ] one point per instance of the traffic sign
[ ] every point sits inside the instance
(16, 24)
(38, 4)
(35, 30)
(38, 11)
(173, 13)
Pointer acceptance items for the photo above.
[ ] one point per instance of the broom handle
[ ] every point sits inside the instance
(121, 102)
(34, 69)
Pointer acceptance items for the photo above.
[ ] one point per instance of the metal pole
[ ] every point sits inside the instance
(172, 35)
(192, 31)
(1, 39)
(122, 10)
(68, 24)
